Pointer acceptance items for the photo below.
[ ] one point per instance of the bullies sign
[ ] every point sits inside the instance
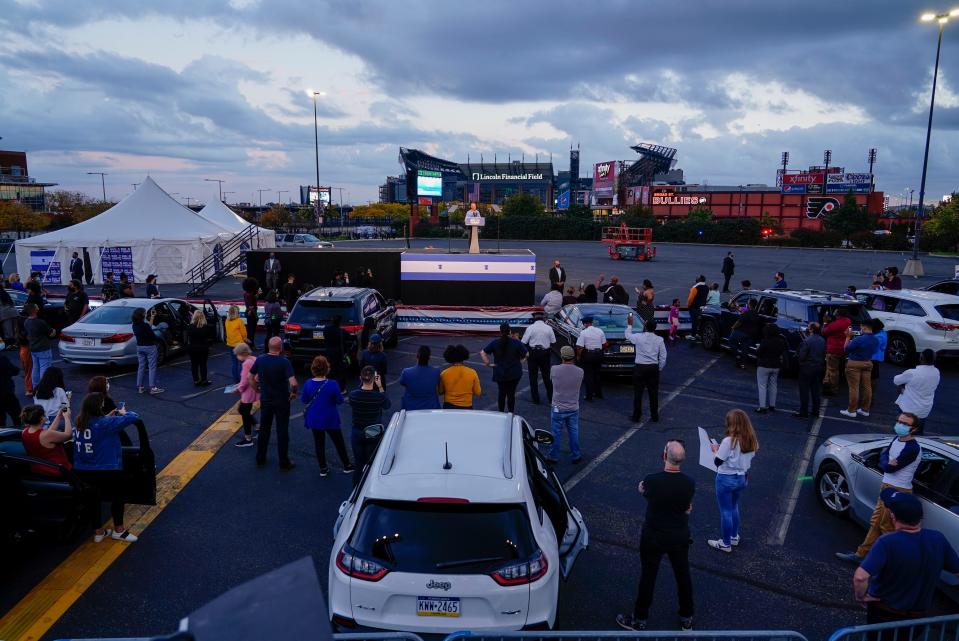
(670, 198)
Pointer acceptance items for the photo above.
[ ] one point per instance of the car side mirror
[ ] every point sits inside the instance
(543, 437)
(372, 432)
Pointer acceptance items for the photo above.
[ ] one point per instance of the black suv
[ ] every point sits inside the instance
(357, 307)
(790, 310)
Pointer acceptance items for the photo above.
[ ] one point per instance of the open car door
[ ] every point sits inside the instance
(569, 525)
(139, 470)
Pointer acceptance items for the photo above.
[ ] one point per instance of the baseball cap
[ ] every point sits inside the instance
(567, 353)
(904, 505)
(376, 338)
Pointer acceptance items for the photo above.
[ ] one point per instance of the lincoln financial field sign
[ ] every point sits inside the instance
(478, 176)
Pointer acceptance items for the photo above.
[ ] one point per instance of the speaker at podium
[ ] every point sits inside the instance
(474, 220)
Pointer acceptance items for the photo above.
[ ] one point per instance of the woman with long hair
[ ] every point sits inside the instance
(235, 334)
(322, 397)
(733, 458)
(508, 354)
(198, 337)
(459, 383)
(50, 393)
(148, 351)
(769, 360)
(98, 460)
(644, 301)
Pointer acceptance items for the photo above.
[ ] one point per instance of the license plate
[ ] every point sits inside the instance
(88, 342)
(437, 606)
(627, 349)
(318, 336)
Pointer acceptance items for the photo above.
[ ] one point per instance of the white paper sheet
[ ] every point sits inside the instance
(706, 455)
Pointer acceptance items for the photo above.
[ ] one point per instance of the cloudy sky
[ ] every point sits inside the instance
(192, 89)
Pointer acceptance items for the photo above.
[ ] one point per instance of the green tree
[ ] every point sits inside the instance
(522, 204)
(576, 210)
(848, 218)
(276, 217)
(20, 218)
(700, 216)
(944, 223)
(639, 216)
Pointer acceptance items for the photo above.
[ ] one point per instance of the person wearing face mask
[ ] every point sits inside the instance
(77, 303)
(898, 462)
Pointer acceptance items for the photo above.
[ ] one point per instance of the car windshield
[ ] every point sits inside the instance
(448, 537)
(310, 238)
(949, 312)
(855, 312)
(612, 318)
(320, 312)
(110, 315)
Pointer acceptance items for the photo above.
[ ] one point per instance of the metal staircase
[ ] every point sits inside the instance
(222, 263)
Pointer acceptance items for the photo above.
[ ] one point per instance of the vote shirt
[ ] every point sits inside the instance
(97, 446)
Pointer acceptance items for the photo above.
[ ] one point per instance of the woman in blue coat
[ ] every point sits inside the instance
(98, 460)
(322, 397)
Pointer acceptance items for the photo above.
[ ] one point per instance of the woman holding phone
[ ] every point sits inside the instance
(734, 455)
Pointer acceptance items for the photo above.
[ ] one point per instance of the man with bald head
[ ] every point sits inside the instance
(669, 500)
(272, 376)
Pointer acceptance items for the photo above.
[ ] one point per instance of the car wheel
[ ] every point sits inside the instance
(710, 335)
(832, 489)
(901, 350)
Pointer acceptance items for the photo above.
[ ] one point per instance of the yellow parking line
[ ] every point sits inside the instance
(49, 600)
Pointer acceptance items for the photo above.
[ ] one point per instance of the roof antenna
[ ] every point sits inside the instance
(447, 465)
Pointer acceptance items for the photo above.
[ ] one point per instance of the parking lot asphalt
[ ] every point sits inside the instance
(233, 521)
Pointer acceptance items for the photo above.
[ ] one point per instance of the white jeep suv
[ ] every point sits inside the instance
(457, 524)
(914, 320)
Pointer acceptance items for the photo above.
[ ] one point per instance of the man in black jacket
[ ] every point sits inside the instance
(812, 368)
(557, 275)
(729, 268)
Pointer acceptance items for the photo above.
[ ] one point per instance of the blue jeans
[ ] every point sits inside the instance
(569, 420)
(729, 487)
(739, 342)
(235, 366)
(41, 362)
(147, 363)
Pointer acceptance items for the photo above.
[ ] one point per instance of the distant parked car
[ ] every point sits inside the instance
(53, 312)
(950, 286)
(790, 310)
(915, 320)
(301, 240)
(105, 335)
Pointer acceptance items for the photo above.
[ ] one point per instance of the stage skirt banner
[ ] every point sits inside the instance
(433, 319)
(469, 267)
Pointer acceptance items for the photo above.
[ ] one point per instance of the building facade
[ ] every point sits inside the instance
(16, 184)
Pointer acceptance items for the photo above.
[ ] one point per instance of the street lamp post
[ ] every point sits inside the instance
(914, 265)
(260, 192)
(219, 184)
(279, 194)
(103, 183)
(316, 145)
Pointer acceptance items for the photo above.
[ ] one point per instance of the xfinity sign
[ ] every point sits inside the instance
(479, 176)
(602, 169)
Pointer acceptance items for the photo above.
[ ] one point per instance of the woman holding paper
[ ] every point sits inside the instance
(733, 458)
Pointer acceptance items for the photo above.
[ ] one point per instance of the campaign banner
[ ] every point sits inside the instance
(804, 178)
(41, 260)
(794, 189)
(468, 267)
(438, 319)
(118, 260)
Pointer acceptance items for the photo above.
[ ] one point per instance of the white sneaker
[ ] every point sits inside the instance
(156, 390)
(717, 544)
(848, 413)
(734, 541)
(862, 412)
(141, 389)
(125, 535)
(97, 538)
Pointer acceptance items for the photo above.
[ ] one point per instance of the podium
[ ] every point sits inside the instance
(474, 223)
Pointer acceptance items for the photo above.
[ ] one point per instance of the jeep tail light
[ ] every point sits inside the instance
(352, 329)
(943, 327)
(523, 572)
(116, 338)
(293, 328)
(352, 564)
(66, 338)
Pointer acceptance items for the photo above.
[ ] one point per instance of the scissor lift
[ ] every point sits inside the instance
(629, 243)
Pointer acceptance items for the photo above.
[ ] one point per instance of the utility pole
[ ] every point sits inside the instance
(260, 192)
(103, 183)
(219, 184)
(342, 218)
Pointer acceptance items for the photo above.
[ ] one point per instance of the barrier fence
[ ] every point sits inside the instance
(945, 628)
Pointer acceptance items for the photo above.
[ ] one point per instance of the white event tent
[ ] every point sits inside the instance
(219, 213)
(148, 232)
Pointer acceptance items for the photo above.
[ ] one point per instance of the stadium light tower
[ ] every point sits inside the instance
(914, 265)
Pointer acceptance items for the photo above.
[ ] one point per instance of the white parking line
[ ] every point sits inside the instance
(628, 434)
(777, 535)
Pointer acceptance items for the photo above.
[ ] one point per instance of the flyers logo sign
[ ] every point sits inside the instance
(818, 207)
(602, 170)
